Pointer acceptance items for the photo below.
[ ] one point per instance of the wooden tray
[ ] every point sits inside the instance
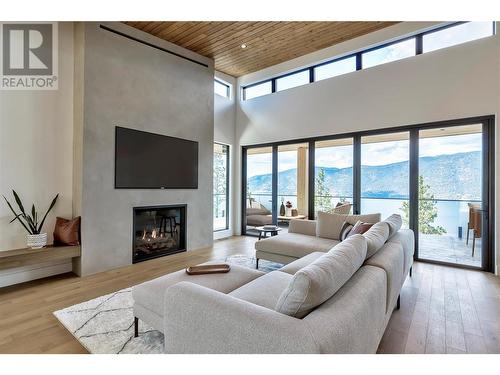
(208, 268)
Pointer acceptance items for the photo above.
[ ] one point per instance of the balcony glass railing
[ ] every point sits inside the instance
(265, 199)
(450, 215)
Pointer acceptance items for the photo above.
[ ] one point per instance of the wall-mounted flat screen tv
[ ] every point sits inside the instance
(152, 161)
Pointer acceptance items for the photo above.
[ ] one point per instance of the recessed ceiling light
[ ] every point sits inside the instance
(243, 46)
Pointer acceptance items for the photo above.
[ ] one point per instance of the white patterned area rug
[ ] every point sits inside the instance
(105, 325)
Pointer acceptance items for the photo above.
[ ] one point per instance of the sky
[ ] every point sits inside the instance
(371, 154)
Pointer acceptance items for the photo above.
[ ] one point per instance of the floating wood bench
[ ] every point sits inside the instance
(25, 257)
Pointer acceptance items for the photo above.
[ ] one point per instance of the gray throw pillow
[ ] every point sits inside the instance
(346, 229)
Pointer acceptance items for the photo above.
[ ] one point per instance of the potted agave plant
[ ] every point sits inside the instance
(35, 239)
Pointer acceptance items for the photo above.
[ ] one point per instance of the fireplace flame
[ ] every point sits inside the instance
(153, 235)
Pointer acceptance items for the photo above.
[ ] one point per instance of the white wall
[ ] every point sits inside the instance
(224, 132)
(456, 82)
(225, 112)
(36, 143)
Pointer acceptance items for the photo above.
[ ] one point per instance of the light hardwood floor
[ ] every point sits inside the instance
(443, 310)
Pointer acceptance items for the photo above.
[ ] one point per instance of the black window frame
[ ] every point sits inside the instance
(385, 45)
(273, 87)
(447, 26)
(418, 36)
(291, 74)
(313, 68)
(228, 88)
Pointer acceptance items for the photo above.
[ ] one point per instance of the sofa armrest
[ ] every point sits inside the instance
(201, 320)
(307, 227)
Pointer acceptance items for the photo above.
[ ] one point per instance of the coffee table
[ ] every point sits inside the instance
(265, 231)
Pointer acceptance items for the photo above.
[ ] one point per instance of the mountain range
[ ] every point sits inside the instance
(453, 176)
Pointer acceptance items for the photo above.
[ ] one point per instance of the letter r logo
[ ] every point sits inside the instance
(27, 49)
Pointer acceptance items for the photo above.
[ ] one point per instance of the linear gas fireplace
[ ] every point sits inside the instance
(158, 231)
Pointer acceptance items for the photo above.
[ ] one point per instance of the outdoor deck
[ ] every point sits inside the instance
(449, 249)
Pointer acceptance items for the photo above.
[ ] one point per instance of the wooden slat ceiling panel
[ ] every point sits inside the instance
(268, 43)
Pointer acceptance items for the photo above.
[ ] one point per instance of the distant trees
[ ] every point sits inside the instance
(427, 210)
(322, 199)
(220, 185)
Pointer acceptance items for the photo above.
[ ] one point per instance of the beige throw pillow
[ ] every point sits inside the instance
(329, 225)
(320, 280)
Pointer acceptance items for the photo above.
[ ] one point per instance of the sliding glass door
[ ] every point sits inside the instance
(292, 182)
(259, 190)
(437, 176)
(221, 187)
(333, 180)
(450, 200)
(385, 166)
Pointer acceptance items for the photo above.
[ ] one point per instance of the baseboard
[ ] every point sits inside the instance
(220, 234)
(28, 273)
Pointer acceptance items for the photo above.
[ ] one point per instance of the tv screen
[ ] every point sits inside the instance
(152, 161)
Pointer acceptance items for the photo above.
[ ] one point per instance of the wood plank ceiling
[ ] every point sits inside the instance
(267, 43)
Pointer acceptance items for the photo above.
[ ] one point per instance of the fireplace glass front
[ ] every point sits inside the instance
(158, 231)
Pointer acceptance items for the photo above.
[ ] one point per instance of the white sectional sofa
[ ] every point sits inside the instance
(338, 301)
(302, 239)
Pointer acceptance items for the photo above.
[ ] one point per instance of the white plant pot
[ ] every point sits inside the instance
(288, 212)
(37, 241)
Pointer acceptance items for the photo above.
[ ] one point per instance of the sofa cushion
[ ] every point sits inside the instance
(300, 263)
(368, 218)
(294, 244)
(317, 282)
(150, 293)
(376, 236)
(257, 211)
(302, 226)
(353, 320)
(330, 225)
(265, 290)
(259, 220)
(394, 222)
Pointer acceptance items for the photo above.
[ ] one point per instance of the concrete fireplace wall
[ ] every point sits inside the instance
(129, 84)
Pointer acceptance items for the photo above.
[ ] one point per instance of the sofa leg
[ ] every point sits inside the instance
(136, 327)
(411, 271)
(257, 263)
(398, 304)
